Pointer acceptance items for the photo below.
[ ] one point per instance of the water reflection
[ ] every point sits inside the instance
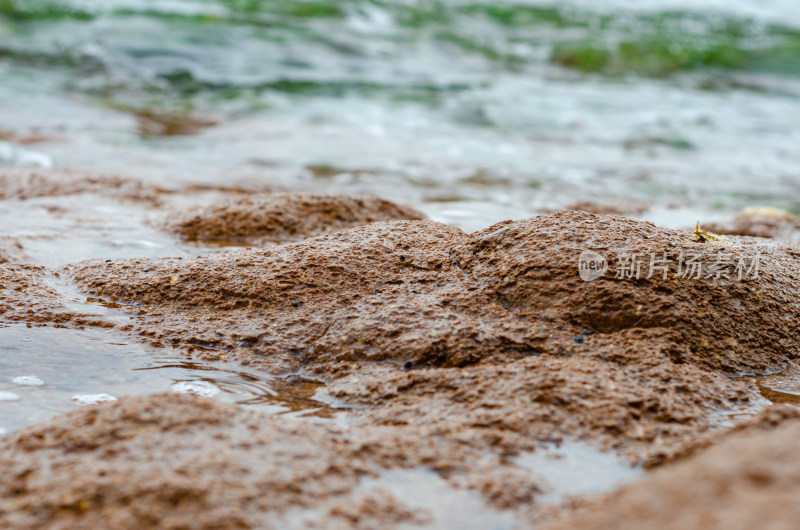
(44, 371)
(781, 387)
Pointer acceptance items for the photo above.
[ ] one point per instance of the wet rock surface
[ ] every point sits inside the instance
(451, 352)
(25, 295)
(495, 326)
(428, 294)
(762, 222)
(609, 209)
(751, 479)
(10, 250)
(172, 462)
(282, 217)
(24, 184)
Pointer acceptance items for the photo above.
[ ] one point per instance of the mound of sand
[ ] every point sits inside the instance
(31, 183)
(282, 217)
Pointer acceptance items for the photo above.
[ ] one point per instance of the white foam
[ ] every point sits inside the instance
(9, 396)
(27, 380)
(92, 399)
(201, 388)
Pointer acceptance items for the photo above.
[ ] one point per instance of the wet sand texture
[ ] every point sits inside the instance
(10, 250)
(171, 461)
(429, 294)
(490, 336)
(30, 183)
(762, 222)
(489, 344)
(749, 480)
(282, 217)
(25, 295)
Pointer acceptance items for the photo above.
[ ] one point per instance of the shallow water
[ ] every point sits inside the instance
(563, 471)
(75, 366)
(443, 505)
(573, 469)
(782, 386)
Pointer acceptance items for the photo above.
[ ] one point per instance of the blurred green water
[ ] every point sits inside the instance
(679, 102)
(342, 47)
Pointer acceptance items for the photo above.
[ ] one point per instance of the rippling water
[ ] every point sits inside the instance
(44, 371)
(473, 111)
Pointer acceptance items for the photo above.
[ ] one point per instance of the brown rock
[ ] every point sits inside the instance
(515, 346)
(456, 352)
(750, 480)
(429, 294)
(177, 461)
(10, 249)
(649, 412)
(624, 208)
(282, 217)
(30, 183)
(762, 222)
(25, 295)
(169, 461)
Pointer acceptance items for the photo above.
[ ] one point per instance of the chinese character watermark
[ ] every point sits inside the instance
(634, 266)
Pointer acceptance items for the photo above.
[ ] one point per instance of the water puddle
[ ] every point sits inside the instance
(440, 504)
(781, 387)
(45, 371)
(574, 469)
(568, 470)
(56, 231)
(431, 501)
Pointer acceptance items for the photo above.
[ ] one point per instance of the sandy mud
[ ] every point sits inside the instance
(771, 223)
(452, 354)
(10, 250)
(751, 479)
(428, 294)
(495, 327)
(173, 462)
(282, 217)
(26, 296)
(29, 183)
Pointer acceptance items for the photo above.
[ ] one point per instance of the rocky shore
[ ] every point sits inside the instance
(434, 350)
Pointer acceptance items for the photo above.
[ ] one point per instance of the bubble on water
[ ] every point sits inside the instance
(27, 380)
(92, 399)
(9, 396)
(201, 388)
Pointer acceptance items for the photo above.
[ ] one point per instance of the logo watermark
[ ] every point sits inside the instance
(635, 266)
(591, 265)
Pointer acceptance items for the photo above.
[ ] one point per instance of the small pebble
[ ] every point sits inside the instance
(579, 339)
